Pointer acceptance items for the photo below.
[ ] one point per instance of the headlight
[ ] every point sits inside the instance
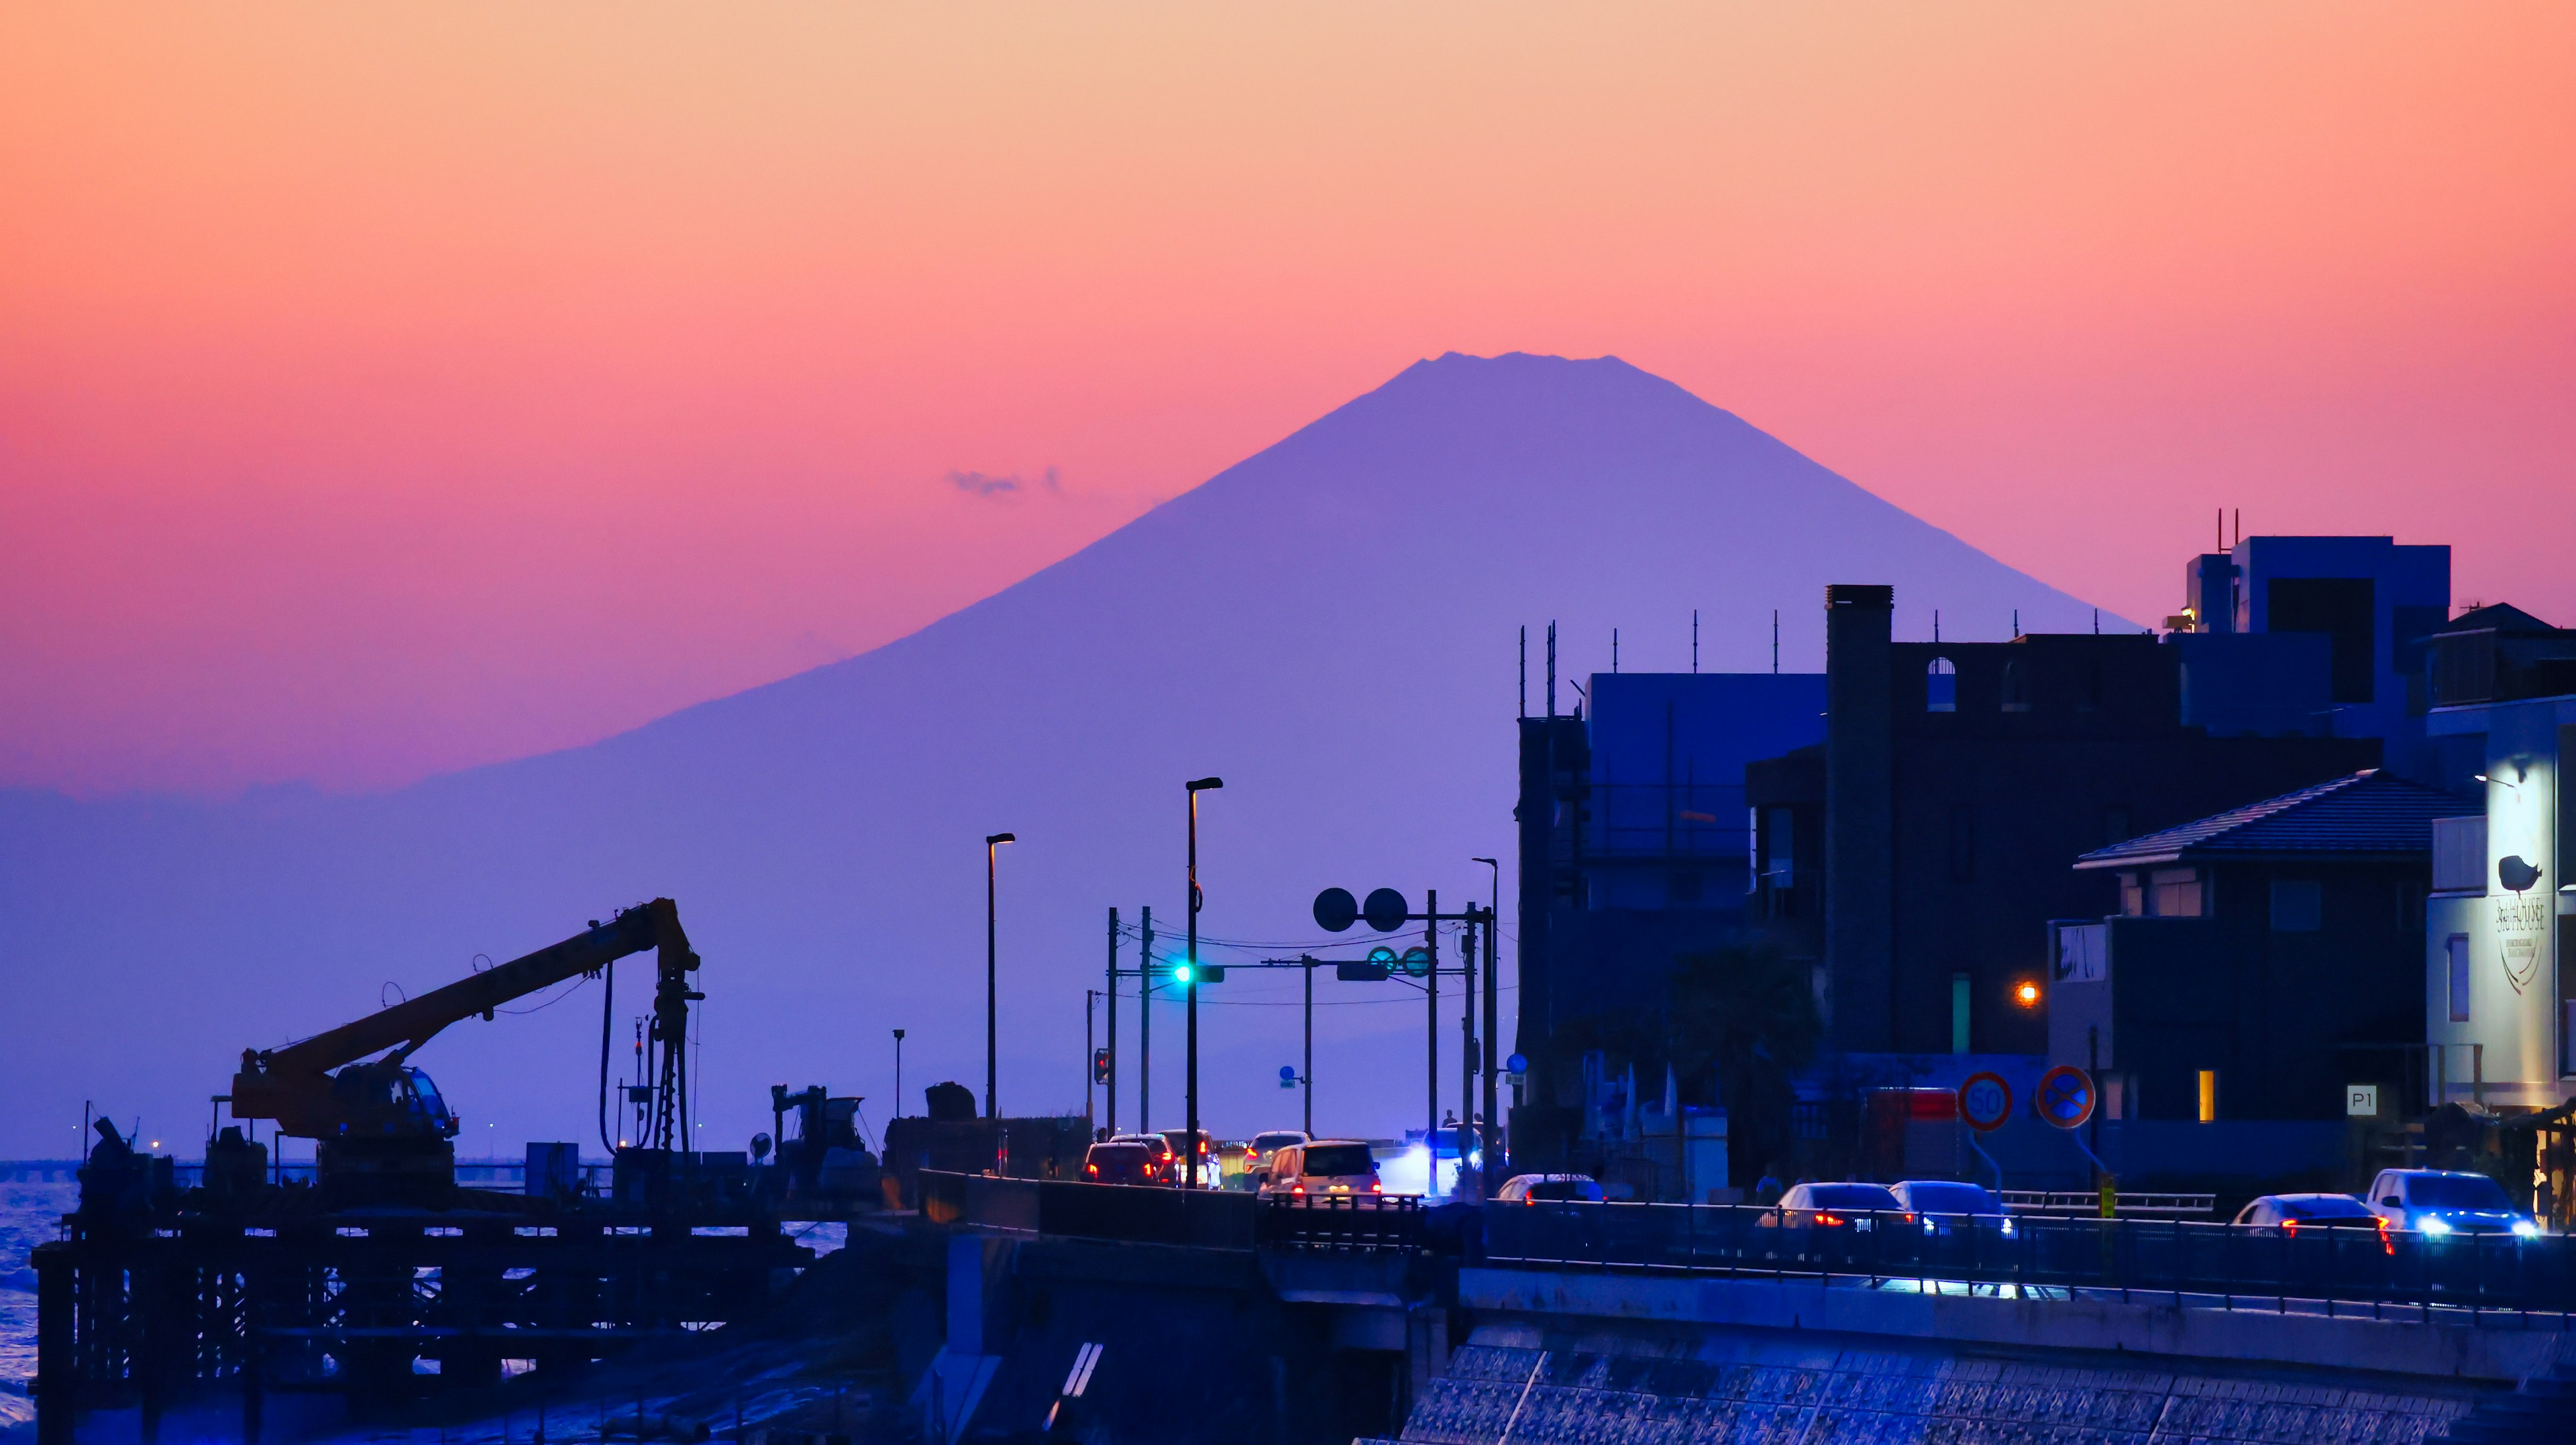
(1929, 1227)
(2431, 1225)
(2526, 1228)
(2008, 1229)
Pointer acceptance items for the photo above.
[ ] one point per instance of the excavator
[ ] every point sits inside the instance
(382, 1131)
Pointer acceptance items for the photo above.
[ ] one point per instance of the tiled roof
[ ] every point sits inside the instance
(2370, 812)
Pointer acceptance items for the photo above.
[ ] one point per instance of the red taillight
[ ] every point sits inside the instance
(1297, 1189)
(2290, 1228)
(1908, 1216)
(1091, 1169)
(1530, 1199)
(2387, 1242)
(1829, 1221)
(1376, 1188)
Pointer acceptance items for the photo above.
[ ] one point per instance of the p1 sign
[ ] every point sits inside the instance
(2361, 1101)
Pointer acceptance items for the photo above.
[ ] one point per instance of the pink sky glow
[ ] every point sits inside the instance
(385, 390)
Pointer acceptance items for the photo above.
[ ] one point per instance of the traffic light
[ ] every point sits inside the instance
(1100, 1066)
(1185, 972)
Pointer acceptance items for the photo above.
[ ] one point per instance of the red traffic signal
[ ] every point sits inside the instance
(1100, 1066)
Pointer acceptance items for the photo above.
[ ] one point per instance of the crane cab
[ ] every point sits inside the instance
(389, 1101)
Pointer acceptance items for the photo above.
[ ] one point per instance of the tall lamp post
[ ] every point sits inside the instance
(992, 845)
(898, 1073)
(1190, 1145)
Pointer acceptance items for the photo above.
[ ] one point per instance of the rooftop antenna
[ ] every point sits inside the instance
(2240, 526)
(1936, 624)
(1551, 671)
(2097, 621)
(1524, 670)
(2222, 529)
(2016, 622)
(1694, 640)
(1775, 642)
(1614, 651)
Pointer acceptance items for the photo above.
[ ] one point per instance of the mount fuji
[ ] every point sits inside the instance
(1331, 625)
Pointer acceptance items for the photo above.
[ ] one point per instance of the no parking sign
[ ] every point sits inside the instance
(2065, 1097)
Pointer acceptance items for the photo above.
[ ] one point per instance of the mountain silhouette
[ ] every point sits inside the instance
(1330, 625)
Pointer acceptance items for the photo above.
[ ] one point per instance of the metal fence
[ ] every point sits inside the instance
(2221, 1265)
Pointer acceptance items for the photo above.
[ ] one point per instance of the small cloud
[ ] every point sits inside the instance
(980, 485)
(1008, 487)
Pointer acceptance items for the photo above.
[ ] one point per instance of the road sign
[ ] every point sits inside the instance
(1371, 972)
(1516, 1065)
(1985, 1101)
(1385, 910)
(1287, 1076)
(2064, 1097)
(2361, 1101)
(1336, 909)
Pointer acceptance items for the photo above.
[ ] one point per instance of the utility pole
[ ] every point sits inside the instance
(1493, 1134)
(1090, 998)
(1145, 1025)
(1306, 1080)
(1467, 1046)
(1113, 1020)
(1431, 1000)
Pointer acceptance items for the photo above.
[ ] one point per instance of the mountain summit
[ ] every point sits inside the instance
(1330, 625)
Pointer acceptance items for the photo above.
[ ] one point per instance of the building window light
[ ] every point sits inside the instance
(1941, 686)
(2209, 1096)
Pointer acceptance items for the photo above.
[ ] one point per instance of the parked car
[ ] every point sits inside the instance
(1118, 1162)
(1543, 1188)
(1947, 1206)
(1323, 1168)
(2286, 1214)
(1156, 1145)
(1852, 1206)
(2437, 1202)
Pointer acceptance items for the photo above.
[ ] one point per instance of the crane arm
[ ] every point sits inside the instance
(273, 1083)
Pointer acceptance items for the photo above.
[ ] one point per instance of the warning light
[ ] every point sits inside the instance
(2026, 994)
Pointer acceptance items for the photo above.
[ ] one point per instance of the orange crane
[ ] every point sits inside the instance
(382, 1118)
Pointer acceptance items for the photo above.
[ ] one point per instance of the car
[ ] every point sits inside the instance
(1323, 1168)
(2437, 1202)
(1535, 1189)
(1156, 1145)
(1267, 1145)
(1211, 1168)
(1947, 1206)
(1846, 1205)
(2286, 1214)
(1120, 1162)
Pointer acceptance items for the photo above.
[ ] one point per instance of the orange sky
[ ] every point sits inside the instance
(387, 389)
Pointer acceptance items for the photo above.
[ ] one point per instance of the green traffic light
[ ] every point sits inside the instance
(1181, 973)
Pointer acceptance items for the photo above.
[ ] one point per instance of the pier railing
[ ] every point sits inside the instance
(2325, 1270)
(1155, 1214)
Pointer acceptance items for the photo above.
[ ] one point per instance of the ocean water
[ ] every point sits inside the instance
(30, 1214)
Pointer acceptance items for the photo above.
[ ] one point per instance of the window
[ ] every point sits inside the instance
(1940, 686)
(2209, 1096)
(2016, 686)
(2456, 957)
(2133, 898)
(2177, 892)
(2298, 906)
(1962, 993)
(1963, 843)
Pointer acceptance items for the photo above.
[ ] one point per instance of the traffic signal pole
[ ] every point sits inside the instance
(1492, 1133)
(1467, 1046)
(1145, 1025)
(1431, 1000)
(1113, 1021)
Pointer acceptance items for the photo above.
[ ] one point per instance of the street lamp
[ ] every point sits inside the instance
(992, 844)
(1488, 1135)
(898, 1073)
(1190, 976)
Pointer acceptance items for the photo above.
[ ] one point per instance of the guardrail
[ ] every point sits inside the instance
(1158, 1214)
(2088, 1202)
(2220, 1265)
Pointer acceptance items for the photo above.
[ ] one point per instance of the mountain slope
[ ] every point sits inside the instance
(1329, 625)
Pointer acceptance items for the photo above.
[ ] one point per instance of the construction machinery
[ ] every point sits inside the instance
(382, 1131)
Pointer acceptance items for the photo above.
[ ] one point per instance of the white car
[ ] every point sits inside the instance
(1265, 1148)
(1321, 1169)
(1534, 1189)
(2436, 1202)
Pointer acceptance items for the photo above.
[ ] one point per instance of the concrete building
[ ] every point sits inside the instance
(2499, 970)
(1633, 849)
(2262, 962)
(1919, 853)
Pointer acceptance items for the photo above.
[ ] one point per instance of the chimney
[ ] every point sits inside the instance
(1860, 868)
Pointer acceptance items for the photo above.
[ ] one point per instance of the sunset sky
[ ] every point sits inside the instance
(388, 389)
